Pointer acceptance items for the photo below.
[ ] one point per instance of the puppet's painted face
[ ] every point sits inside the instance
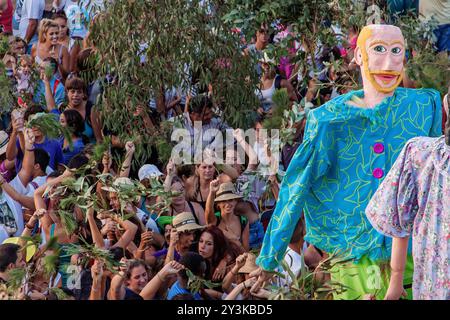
(380, 53)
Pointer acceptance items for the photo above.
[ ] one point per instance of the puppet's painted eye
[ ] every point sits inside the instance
(396, 50)
(379, 49)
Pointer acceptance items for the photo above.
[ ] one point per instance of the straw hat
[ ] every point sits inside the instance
(226, 192)
(185, 221)
(30, 247)
(4, 138)
(250, 264)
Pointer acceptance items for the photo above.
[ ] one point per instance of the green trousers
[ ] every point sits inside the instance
(368, 277)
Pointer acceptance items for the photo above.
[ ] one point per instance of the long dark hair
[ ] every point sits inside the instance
(220, 245)
(74, 121)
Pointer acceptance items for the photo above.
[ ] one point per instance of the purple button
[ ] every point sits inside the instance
(378, 173)
(378, 148)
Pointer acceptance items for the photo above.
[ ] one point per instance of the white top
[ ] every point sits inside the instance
(11, 212)
(16, 17)
(34, 184)
(11, 215)
(294, 261)
(265, 96)
(263, 158)
(31, 9)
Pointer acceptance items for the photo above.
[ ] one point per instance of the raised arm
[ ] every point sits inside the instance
(146, 239)
(126, 165)
(173, 242)
(117, 289)
(97, 125)
(97, 281)
(231, 275)
(26, 172)
(39, 202)
(161, 277)
(129, 227)
(38, 214)
(209, 208)
(96, 234)
(171, 173)
(128, 235)
(49, 98)
(11, 148)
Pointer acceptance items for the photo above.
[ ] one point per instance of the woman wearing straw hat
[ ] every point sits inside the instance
(233, 226)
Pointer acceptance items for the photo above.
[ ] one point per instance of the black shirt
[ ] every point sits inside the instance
(131, 295)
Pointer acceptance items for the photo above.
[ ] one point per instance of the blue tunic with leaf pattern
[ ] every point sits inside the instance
(346, 153)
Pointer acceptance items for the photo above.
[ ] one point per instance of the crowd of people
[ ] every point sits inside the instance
(205, 244)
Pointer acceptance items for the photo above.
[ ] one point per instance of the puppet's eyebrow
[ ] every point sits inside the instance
(398, 43)
(385, 43)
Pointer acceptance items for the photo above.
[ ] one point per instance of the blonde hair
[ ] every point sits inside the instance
(44, 26)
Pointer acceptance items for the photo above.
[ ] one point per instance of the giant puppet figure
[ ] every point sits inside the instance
(350, 144)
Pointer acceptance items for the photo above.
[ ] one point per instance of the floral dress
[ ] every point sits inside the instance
(415, 198)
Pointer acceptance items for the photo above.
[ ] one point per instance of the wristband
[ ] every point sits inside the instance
(30, 149)
(29, 227)
(160, 277)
